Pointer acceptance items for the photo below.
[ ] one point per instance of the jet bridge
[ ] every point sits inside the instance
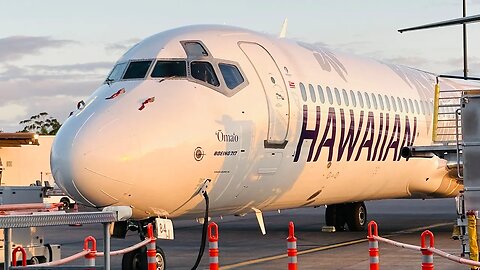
(456, 138)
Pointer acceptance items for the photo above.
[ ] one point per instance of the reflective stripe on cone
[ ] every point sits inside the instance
(292, 247)
(213, 245)
(373, 246)
(151, 249)
(427, 255)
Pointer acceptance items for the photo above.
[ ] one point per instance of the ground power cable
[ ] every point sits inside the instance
(204, 232)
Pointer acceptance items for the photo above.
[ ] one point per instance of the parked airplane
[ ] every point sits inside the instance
(260, 123)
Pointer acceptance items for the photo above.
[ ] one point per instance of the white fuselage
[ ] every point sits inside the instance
(271, 142)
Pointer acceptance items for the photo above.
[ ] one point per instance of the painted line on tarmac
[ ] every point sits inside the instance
(317, 249)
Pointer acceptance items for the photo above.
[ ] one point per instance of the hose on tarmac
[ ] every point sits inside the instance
(204, 232)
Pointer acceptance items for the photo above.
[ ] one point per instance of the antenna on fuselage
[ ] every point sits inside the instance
(283, 32)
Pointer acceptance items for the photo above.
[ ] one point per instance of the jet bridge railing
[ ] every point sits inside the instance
(445, 105)
(446, 117)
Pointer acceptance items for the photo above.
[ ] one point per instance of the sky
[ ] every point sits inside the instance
(54, 53)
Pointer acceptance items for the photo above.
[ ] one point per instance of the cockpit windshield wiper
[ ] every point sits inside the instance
(167, 78)
(109, 81)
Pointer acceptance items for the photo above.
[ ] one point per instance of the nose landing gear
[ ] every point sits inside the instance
(137, 259)
(352, 214)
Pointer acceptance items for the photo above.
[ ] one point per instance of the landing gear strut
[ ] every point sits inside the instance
(353, 214)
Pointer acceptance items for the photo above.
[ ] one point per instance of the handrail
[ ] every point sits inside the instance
(439, 252)
(435, 112)
(125, 250)
(68, 259)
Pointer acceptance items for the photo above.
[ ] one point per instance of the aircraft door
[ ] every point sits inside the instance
(275, 91)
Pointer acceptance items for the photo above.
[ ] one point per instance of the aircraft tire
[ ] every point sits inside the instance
(356, 216)
(135, 260)
(161, 259)
(66, 203)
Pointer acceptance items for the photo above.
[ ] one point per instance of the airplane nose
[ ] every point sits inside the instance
(90, 165)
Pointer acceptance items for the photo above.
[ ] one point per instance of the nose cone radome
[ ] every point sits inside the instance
(92, 158)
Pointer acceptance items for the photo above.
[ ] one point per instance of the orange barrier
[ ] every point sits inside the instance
(151, 249)
(213, 245)
(426, 250)
(373, 246)
(427, 254)
(292, 247)
(125, 250)
(90, 256)
(14, 256)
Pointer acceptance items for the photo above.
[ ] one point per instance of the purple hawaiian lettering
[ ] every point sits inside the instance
(369, 132)
(395, 136)
(330, 142)
(385, 136)
(350, 139)
(307, 134)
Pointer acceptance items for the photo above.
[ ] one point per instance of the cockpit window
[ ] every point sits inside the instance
(194, 49)
(117, 72)
(204, 71)
(231, 75)
(165, 69)
(137, 69)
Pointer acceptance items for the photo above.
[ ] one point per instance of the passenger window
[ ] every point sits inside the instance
(374, 101)
(165, 69)
(194, 49)
(303, 92)
(312, 93)
(410, 105)
(399, 103)
(405, 104)
(387, 103)
(116, 73)
(329, 95)
(137, 69)
(380, 102)
(352, 96)
(345, 97)
(337, 96)
(417, 109)
(321, 96)
(231, 75)
(367, 100)
(203, 71)
(394, 105)
(360, 99)
(422, 107)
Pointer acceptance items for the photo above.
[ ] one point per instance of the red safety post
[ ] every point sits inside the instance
(373, 246)
(90, 257)
(14, 256)
(213, 245)
(151, 249)
(427, 255)
(292, 247)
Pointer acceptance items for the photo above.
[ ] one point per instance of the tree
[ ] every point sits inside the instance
(41, 124)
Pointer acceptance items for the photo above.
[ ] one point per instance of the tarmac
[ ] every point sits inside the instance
(242, 246)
